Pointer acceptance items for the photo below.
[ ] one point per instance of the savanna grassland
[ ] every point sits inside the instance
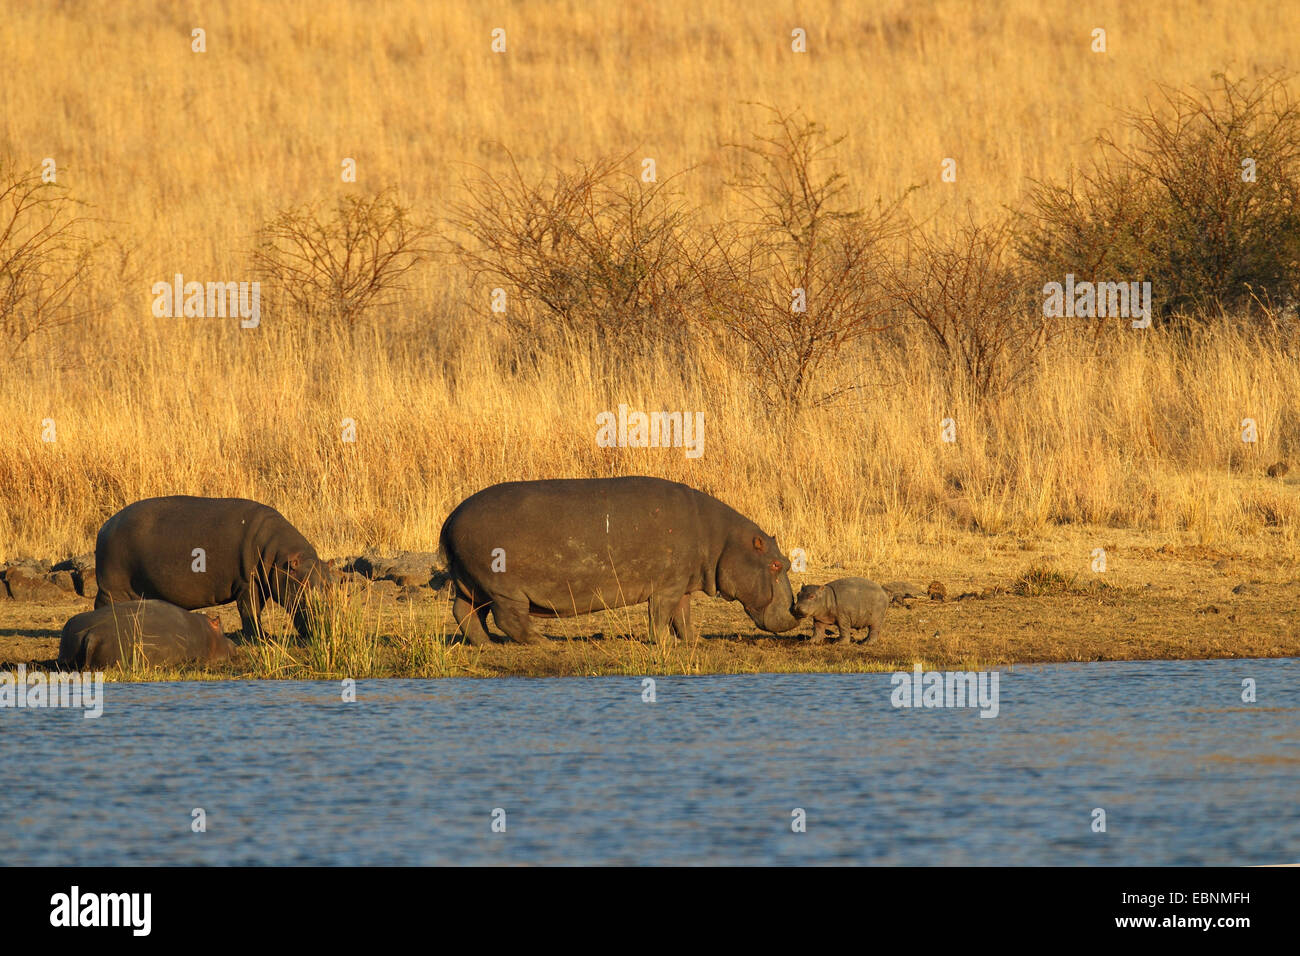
(1114, 438)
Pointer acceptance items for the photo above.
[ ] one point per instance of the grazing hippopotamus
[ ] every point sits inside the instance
(573, 546)
(250, 553)
(144, 632)
(849, 604)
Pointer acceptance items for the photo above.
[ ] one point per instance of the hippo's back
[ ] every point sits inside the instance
(588, 540)
(856, 590)
(178, 513)
(532, 510)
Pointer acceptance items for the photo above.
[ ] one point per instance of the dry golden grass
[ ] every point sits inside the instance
(1144, 436)
(184, 154)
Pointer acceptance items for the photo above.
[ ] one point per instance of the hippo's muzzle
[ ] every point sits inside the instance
(774, 618)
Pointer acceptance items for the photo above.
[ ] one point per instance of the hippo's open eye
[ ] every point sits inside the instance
(776, 567)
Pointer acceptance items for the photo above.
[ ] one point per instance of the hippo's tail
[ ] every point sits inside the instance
(442, 576)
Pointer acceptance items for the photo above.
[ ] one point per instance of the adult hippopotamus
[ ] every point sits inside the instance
(565, 547)
(143, 632)
(199, 552)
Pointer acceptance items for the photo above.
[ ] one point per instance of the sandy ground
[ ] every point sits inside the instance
(1158, 599)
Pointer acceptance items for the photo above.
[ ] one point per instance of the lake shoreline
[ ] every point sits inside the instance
(630, 656)
(996, 602)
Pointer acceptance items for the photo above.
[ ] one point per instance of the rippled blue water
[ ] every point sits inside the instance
(589, 773)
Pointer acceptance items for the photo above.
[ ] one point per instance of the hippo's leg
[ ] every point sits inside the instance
(249, 603)
(873, 631)
(674, 611)
(682, 619)
(512, 617)
(818, 634)
(301, 622)
(846, 633)
(471, 621)
(108, 592)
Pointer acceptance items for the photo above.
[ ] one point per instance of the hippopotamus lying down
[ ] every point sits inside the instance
(143, 632)
(200, 552)
(573, 546)
(849, 604)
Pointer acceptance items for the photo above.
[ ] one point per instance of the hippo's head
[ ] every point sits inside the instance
(295, 573)
(805, 604)
(298, 570)
(753, 571)
(219, 647)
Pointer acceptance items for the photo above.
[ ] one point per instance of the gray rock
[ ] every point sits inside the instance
(903, 588)
(386, 588)
(406, 568)
(82, 569)
(33, 585)
(354, 580)
(901, 591)
(82, 562)
(64, 580)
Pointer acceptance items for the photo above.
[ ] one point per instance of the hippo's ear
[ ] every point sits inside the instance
(293, 560)
(215, 622)
(759, 544)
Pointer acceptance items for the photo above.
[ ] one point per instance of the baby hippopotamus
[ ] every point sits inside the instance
(146, 632)
(849, 604)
